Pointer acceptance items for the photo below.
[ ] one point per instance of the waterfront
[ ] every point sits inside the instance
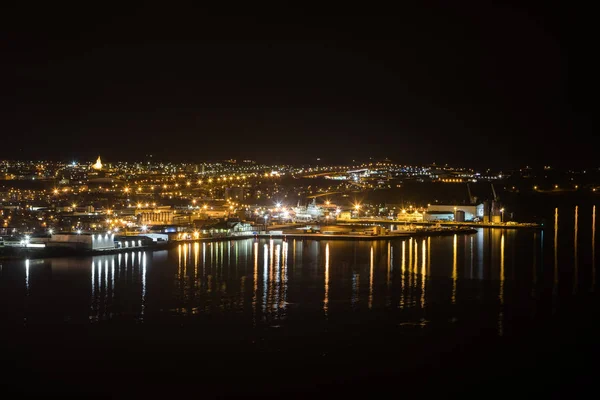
(470, 314)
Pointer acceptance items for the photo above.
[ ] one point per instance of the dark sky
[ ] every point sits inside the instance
(474, 85)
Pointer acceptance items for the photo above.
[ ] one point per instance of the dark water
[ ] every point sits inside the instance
(498, 313)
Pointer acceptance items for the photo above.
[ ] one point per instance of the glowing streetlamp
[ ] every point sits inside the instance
(502, 215)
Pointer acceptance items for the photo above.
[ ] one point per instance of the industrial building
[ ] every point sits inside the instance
(96, 241)
(454, 212)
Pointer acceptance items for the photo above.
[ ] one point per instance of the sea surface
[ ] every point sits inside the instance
(499, 313)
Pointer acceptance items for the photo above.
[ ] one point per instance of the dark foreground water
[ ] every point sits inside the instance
(497, 314)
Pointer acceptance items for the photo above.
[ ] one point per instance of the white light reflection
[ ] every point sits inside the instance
(112, 276)
(93, 282)
(326, 299)
(196, 256)
(228, 253)
(27, 276)
(270, 273)
(284, 277)
(277, 280)
(371, 279)
(254, 297)
(265, 277)
(100, 280)
(472, 258)
(144, 285)
(501, 291)
(106, 277)
(355, 288)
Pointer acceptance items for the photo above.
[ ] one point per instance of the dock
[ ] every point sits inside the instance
(497, 225)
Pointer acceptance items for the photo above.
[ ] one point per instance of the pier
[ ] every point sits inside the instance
(497, 225)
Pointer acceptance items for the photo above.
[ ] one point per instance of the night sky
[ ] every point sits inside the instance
(477, 86)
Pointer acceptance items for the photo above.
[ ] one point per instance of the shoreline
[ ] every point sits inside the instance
(24, 253)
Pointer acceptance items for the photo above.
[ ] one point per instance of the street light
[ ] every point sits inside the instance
(502, 215)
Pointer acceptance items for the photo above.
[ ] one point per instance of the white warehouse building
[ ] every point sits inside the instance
(453, 212)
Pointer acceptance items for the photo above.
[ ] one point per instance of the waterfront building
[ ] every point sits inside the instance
(453, 212)
(155, 216)
(84, 241)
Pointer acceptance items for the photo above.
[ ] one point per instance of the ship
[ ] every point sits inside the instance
(310, 213)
